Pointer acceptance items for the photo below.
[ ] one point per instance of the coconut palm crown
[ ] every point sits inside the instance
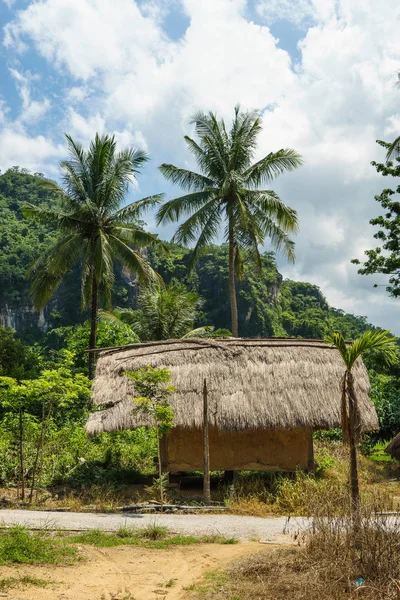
(226, 192)
(94, 229)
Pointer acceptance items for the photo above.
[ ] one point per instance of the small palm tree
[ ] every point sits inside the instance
(94, 230)
(379, 341)
(164, 312)
(226, 191)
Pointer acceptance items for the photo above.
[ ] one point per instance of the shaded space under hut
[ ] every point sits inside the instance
(266, 397)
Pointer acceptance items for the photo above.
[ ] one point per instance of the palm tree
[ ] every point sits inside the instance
(379, 341)
(226, 191)
(394, 148)
(164, 312)
(94, 230)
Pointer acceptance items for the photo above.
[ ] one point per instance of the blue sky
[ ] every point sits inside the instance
(321, 70)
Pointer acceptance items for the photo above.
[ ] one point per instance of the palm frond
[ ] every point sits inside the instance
(187, 180)
(243, 138)
(377, 340)
(134, 261)
(136, 236)
(208, 233)
(279, 239)
(47, 272)
(271, 166)
(394, 149)
(134, 210)
(273, 207)
(194, 225)
(48, 216)
(172, 210)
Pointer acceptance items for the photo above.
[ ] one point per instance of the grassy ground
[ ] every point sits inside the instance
(20, 546)
(154, 536)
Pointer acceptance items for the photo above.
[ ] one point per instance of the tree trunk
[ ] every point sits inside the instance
(232, 286)
(206, 447)
(160, 470)
(36, 461)
(21, 455)
(93, 328)
(353, 438)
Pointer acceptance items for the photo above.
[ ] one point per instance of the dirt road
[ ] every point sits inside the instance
(127, 573)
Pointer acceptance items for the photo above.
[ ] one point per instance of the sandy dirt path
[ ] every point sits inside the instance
(127, 572)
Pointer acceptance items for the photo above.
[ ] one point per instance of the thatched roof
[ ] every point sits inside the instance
(394, 447)
(252, 383)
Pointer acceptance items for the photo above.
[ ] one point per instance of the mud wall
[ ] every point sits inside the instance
(258, 450)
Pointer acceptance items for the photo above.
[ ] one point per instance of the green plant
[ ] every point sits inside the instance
(154, 532)
(18, 545)
(386, 257)
(95, 230)
(153, 402)
(386, 346)
(164, 312)
(226, 191)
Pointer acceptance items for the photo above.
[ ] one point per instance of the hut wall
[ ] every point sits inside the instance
(255, 450)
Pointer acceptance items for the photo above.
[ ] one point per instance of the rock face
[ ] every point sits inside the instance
(24, 318)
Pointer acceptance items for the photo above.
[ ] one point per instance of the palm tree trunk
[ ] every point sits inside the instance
(93, 328)
(232, 286)
(353, 436)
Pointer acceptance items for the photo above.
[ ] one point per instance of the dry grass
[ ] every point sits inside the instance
(308, 494)
(260, 372)
(332, 562)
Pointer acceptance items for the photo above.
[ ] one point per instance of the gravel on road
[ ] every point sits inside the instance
(243, 528)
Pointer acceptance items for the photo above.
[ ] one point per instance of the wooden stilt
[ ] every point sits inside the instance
(206, 447)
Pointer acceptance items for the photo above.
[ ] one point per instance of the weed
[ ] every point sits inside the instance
(18, 545)
(154, 532)
(154, 537)
(12, 582)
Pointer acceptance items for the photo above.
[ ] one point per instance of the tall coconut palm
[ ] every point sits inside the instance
(394, 148)
(94, 229)
(379, 341)
(227, 192)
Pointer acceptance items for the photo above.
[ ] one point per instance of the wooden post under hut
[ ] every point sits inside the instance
(206, 446)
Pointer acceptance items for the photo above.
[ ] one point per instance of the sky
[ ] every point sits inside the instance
(321, 72)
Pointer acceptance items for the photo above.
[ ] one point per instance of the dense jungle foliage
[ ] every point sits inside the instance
(44, 390)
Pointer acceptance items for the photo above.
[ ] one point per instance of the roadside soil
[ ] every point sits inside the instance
(126, 573)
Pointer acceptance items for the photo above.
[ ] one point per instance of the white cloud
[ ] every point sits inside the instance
(298, 12)
(32, 110)
(36, 153)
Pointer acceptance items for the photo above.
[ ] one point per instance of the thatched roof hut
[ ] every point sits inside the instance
(257, 388)
(394, 447)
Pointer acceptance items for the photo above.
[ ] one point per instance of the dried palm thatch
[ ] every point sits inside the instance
(252, 383)
(394, 447)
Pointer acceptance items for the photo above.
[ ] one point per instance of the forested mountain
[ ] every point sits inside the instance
(267, 305)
